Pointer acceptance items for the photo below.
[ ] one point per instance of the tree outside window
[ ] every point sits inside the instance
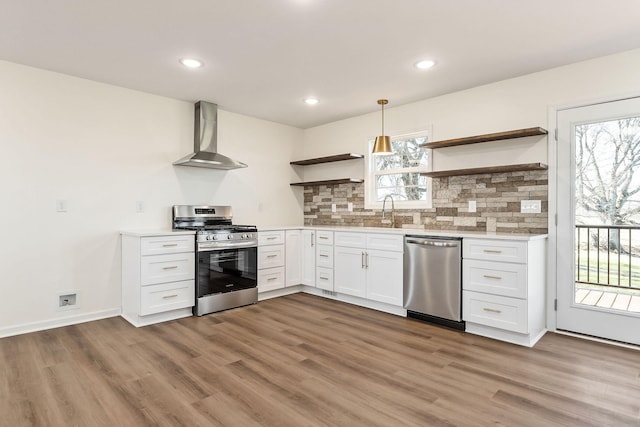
(398, 174)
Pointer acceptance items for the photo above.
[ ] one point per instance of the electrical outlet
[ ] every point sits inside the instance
(350, 207)
(530, 206)
(472, 206)
(139, 206)
(333, 207)
(67, 301)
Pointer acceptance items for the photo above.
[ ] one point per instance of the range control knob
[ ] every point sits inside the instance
(229, 236)
(214, 237)
(209, 237)
(244, 236)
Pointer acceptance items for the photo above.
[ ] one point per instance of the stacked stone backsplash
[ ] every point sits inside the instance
(497, 198)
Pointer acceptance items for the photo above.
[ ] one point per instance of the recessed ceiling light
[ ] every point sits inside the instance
(311, 101)
(191, 63)
(426, 64)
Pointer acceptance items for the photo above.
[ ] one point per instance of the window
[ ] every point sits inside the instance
(398, 174)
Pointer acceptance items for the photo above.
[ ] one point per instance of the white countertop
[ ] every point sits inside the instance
(414, 232)
(154, 233)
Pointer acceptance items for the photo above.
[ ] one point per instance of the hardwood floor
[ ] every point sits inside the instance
(302, 360)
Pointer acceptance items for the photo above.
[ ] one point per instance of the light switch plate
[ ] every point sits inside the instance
(472, 206)
(530, 206)
(139, 206)
(333, 207)
(350, 207)
(62, 205)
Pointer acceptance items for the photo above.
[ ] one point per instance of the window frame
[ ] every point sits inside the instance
(371, 173)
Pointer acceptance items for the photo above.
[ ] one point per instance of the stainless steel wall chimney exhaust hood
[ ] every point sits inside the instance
(205, 141)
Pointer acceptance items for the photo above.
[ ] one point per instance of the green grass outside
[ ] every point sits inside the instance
(595, 276)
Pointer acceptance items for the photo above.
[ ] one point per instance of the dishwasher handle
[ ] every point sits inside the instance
(433, 243)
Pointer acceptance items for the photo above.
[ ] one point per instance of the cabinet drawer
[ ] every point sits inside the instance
(166, 245)
(270, 256)
(156, 269)
(270, 279)
(385, 242)
(324, 278)
(324, 256)
(497, 278)
(324, 237)
(271, 238)
(351, 240)
(166, 297)
(495, 250)
(495, 311)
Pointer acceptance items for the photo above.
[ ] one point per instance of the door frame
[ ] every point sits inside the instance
(552, 241)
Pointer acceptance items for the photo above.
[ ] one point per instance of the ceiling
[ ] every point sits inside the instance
(262, 58)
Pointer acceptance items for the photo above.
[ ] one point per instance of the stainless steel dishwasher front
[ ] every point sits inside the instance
(432, 279)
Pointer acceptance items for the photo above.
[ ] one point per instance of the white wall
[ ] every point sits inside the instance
(510, 104)
(102, 148)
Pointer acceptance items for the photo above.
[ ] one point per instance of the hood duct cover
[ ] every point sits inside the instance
(205, 141)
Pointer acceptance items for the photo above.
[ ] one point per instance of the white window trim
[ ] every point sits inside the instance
(369, 180)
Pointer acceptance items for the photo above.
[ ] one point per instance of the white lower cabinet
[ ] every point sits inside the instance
(384, 276)
(324, 260)
(293, 258)
(158, 277)
(503, 286)
(271, 259)
(309, 257)
(369, 266)
(350, 274)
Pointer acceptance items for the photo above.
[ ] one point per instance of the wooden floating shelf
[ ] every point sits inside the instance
(488, 169)
(511, 134)
(328, 182)
(327, 159)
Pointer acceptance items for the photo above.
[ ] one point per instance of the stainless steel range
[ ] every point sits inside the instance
(226, 257)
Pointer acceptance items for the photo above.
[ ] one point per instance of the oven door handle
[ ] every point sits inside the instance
(202, 247)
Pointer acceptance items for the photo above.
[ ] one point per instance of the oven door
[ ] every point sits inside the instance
(226, 270)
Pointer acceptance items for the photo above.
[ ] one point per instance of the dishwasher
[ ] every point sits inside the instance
(432, 280)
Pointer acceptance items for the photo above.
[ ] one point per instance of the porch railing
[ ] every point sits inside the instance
(608, 255)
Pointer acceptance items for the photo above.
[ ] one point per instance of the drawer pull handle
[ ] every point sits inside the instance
(492, 310)
(173, 267)
(324, 278)
(270, 279)
(271, 256)
(487, 276)
(323, 237)
(492, 251)
(169, 296)
(168, 245)
(272, 238)
(324, 255)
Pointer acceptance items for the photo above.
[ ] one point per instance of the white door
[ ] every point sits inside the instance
(598, 248)
(309, 257)
(293, 252)
(384, 276)
(349, 270)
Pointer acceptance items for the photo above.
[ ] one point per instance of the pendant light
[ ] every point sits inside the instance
(383, 142)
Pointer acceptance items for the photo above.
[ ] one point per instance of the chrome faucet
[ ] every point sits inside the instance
(393, 209)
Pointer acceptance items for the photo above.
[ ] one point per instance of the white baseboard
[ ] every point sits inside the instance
(26, 328)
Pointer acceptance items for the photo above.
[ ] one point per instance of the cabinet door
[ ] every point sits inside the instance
(384, 276)
(349, 273)
(309, 257)
(293, 257)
